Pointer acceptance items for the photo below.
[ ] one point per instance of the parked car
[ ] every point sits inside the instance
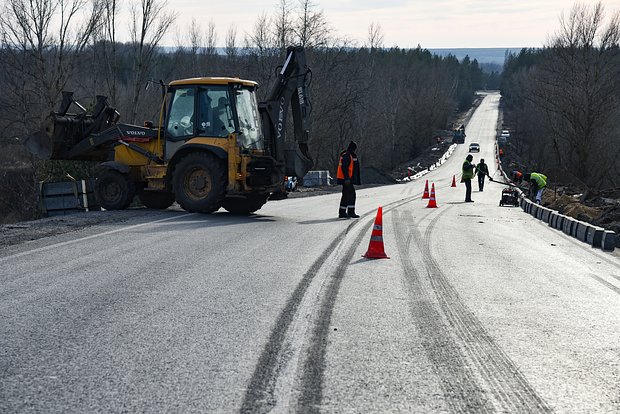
(474, 147)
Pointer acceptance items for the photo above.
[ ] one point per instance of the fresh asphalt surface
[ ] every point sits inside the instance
(480, 308)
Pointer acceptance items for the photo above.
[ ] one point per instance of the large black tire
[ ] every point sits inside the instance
(114, 190)
(158, 200)
(199, 180)
(244, 205)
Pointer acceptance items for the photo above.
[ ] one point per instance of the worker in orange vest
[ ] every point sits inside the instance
(348, 175)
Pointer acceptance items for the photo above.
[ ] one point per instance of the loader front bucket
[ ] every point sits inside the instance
(60, 132)
(39, 143)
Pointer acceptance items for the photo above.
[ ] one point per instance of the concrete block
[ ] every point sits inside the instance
(581, 231)
(559, 223)
(534, 210)
(568, 225)
(595, 236)
(609, 241)
(317, 178)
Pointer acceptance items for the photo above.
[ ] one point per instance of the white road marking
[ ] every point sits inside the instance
(65, 243)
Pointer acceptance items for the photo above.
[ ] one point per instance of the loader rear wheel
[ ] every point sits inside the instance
(199, 180)
(157, 200)
(114, 190)
(244, 205)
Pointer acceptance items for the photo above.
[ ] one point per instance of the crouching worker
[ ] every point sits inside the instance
(348, 175)
(538, 183)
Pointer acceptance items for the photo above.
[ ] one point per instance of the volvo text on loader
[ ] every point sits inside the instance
(215, 145)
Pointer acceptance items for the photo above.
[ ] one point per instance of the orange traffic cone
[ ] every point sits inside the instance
(425, 196)
(375, 248)
(431, 202)
(453, 181)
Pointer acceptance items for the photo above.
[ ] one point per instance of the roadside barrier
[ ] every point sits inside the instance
(588, 233)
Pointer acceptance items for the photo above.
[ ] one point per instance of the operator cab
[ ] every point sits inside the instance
(213, 108)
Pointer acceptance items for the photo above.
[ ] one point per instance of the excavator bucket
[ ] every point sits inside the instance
(298, 161)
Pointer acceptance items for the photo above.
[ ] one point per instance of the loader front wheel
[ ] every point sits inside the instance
(199, 180)
(114, 190)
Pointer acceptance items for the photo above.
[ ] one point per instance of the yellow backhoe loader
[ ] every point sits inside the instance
(215, 145)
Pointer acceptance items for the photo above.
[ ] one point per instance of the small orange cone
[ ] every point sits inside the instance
(431, 202)
(425, 196)
(453, 181)
(375, 248)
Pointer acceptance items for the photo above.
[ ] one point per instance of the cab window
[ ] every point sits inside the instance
(181, 114)
(215, 114)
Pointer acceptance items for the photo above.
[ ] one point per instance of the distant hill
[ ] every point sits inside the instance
(492, 55)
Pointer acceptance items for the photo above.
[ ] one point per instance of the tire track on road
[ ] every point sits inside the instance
(456, 378)
(261, 394)
(509, 388)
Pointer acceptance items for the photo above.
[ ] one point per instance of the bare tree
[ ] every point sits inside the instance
(231, 41)
(48, 37)
(109, 46)
(196, 38)
(42, 45)
(311, 29)
(260, 40)
(576, 87)
(211, 39)
(150, 23)
(375, 36)
(283, 26)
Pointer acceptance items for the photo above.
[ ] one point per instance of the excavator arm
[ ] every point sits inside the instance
(290, 90)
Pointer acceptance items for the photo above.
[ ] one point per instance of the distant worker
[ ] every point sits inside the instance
(517, 176)
(501, 153)
(538, 183)
(348, 175)
(482, 170)
(469, 171)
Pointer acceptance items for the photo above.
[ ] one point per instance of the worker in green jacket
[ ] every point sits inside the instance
(468, 172)
(538, 183)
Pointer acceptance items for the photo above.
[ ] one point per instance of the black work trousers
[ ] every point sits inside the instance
(467, 182)
(480, 182)
(347, 201)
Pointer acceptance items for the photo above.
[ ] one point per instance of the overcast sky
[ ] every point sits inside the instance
(430, 23)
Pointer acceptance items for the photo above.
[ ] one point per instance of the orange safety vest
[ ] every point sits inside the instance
(340, 173)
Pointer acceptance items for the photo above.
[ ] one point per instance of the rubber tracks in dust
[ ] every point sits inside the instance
(375, 248)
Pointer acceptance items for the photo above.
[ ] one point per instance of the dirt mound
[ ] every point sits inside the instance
(599, 211)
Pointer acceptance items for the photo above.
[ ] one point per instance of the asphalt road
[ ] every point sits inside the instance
(480, 308)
